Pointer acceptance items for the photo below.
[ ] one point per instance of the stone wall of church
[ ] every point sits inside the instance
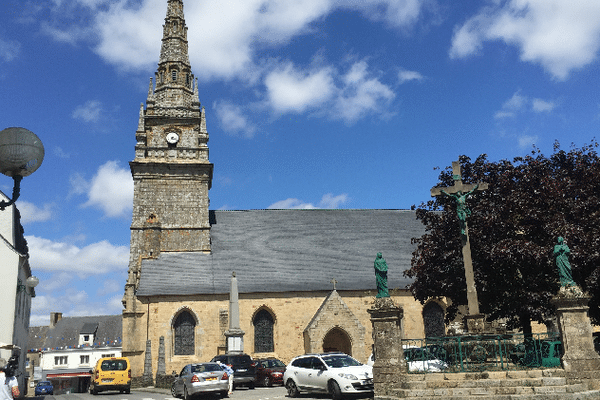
(292, 313)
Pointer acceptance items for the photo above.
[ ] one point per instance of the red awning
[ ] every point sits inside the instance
(69, 375)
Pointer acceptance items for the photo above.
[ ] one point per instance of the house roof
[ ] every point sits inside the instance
(65, 334)
(288, 250)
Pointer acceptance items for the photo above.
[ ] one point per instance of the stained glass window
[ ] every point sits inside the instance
(263, 332)
(184, 327)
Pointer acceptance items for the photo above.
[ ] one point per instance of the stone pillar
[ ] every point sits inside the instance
(389, 369)
(161, 368)
(234, 335)
(576, 331)
(147, 379)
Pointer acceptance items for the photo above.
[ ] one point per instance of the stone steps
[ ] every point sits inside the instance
(503, 385)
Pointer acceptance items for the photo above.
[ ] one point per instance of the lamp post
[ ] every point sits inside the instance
(31, 282)
(21, 153)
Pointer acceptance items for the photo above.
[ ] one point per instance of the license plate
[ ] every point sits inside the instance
(106, 380)
(242, 370)
(211, 379)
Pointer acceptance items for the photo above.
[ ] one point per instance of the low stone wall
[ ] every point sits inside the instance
(164, 381)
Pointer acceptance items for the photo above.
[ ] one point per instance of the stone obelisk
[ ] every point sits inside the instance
(235, 336)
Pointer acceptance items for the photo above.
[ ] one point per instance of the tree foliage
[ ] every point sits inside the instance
(513, 228)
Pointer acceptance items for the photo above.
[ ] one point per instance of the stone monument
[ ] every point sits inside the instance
(235, 335)
(573, 321)
(460, 192)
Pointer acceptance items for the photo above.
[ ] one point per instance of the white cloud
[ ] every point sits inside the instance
(95, 258)
(290, 90)
(560, 35)
(89, 112)
(519, 103)
(224, 36)
(361, 95)
(110, 286)
(32, 213)
(233, 120)
(328, 201)
(527, 141)
(9, 50)
(407, 76)
(110, 190)
(540, 105)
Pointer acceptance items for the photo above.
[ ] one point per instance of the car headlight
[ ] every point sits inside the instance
(349, 377)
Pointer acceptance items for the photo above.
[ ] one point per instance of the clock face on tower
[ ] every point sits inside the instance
(172, 138)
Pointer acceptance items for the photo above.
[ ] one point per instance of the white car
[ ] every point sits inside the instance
(335, 373)
(418, 360)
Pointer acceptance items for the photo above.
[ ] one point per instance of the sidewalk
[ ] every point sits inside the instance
(151, 389)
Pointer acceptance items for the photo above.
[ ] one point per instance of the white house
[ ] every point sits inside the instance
(71, 346)
(16, 287)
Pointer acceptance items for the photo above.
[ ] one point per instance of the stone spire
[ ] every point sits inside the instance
(174, 79)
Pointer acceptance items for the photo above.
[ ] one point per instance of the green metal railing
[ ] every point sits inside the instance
(482, 353)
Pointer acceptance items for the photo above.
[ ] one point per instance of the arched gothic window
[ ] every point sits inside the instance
(263, 332)
(183, 328)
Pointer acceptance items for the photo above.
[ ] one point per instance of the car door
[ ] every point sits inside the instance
(319, 375)
(309, 373)
(179, 381)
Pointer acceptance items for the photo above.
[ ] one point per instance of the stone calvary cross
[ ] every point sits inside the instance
(460, 191)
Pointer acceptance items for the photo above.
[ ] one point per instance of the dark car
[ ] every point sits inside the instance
(269, 371)
(244, 368)
(44, 387)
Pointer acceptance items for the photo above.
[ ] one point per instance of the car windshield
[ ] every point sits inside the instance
(44, 384)
(206, 368)
(340, 361)
(273, 363)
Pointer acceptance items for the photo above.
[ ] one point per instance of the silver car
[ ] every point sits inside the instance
(200, 378)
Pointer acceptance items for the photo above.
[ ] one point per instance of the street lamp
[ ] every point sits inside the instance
(21, 153)
(31, 282)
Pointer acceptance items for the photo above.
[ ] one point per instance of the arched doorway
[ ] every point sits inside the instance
(433, 320)
(337, 340)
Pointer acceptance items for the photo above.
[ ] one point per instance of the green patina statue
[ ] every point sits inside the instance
(561, 253)
(461, 206)
(381, 276)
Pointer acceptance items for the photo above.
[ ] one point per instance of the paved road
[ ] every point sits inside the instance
(260, 393)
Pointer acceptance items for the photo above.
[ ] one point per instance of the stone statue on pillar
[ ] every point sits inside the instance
(235, 335)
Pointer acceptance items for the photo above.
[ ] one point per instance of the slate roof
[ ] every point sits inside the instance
(288, 250)
(66, 332)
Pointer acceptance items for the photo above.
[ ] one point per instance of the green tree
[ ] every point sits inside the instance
(513, 229)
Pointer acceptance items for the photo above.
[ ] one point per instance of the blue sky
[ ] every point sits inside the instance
(312, 103)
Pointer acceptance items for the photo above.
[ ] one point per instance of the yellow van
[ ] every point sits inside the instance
(112, 373)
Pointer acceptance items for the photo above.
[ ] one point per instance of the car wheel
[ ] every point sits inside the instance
(266, 382)
(127, 391)
(251, 385)
(224, 394)
(173, 391)
(94, 391)
(334, 390)
(292, 389)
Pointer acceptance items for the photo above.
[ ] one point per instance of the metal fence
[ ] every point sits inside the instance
(482, 353)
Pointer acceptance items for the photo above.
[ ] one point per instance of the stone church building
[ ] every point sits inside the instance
(306, 277)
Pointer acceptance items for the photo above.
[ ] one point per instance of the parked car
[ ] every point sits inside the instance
(111, 373)
(423, 360)
(200, 378)
(269, 371)
(335, 373)
(244, 368)
(44, 387)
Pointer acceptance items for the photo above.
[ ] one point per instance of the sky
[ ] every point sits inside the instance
(309, 104)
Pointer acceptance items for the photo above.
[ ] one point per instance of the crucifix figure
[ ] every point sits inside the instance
(460, 192)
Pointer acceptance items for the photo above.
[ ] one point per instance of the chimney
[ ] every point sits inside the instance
(54, 318)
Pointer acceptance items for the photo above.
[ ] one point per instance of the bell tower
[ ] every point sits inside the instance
(171, 171)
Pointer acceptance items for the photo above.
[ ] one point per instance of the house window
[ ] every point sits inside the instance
(60, 360)
(173, 75)
(184, 328)
(84, 359)
(86, 338)
(263, 332)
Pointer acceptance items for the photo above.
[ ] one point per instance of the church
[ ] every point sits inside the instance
(305, 277)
